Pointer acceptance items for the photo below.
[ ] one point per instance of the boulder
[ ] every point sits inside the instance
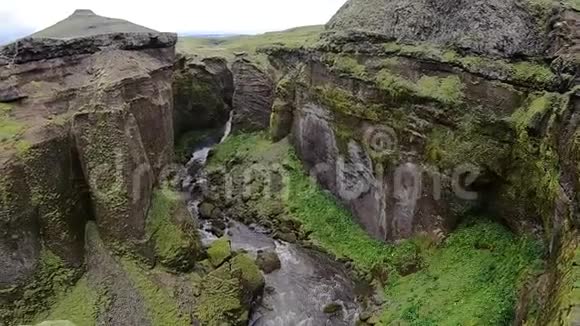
(511, 28)
(268, 261)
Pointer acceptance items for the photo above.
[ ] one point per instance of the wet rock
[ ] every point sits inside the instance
(252, 278)
(219, 251)
(253, 97)
(268, 261)
(223, 299)
(332, 308)
(206, 209)
(288, 237)
(202, 93)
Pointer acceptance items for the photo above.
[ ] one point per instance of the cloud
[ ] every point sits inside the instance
(223, 16)
(10, 29)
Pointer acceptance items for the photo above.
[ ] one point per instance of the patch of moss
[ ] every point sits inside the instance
(10, 129)
(221, 299)
(78, 305)
(162, 308)
(51, 281)
(471, 280)
(219, 251)
(347, 65)
(395, 86)
(176, 242)
(448, 90)
(340, 100)
(251, 275)
(472, 142)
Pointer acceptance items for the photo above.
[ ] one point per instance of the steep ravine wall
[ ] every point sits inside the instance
(411, 138)
(86, 127)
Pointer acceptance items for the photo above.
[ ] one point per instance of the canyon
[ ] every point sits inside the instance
(409, 163)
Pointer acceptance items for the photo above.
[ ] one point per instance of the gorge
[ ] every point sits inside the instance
(409, 163)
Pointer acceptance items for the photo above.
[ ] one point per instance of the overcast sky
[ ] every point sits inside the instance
(21, 17)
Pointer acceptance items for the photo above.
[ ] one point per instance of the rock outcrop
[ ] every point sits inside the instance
(253, 96)
(86, 128)
(202, 93)
(499, 28)
(410, 135)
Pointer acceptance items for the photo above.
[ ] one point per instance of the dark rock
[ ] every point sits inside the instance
(332, 308)
(202, 93)
(288, 237)
(511, 27)
(268, 261)
(253, 97)
(206, 210)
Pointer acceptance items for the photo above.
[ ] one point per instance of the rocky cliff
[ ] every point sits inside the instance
(86, 128)
(411, 123)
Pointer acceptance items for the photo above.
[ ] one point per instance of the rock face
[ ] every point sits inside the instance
(253, 97)
(510, 27)
(202, 93)
(412, 136)
(86, 128)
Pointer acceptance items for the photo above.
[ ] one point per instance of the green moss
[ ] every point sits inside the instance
(219, 251)
(162, 308)
(250, 273)
(347, 64)
(220, 302)
(10, 129)
(396, 87)
(473, 142)
(50, 281)
(341, 101)
(448, 90)
(176, 242)
(532, 113)
(528, 72)
(78, 306)
(471, 280)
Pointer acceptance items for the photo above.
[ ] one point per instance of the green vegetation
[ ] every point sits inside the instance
(448, 90)
(250, 273)
(227, 46)
(220, 302)
(10, 129)
(343, 102)
(78, 306)
(529, 73)
(536, 180)
(50, 282)
(167, 224)
(163, 309)
(346, 64)
(219, 251)
(395, 86)
(471, 280)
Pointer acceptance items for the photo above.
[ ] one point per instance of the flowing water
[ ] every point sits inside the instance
(307, 281)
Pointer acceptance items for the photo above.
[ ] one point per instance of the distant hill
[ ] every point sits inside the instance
(86, 23)
(226, 46)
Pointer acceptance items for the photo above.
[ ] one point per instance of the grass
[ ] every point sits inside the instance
(226, 46)
(78, 306)
(163, 309)
(447, 90)
(471, 280)
(9, 128)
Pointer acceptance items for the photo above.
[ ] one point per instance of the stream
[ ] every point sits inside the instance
(307, 282)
